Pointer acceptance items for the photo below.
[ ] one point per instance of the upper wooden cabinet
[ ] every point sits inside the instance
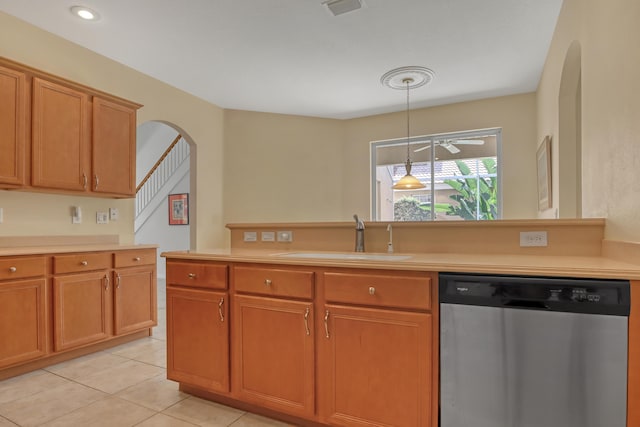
(114, 148)
(13, 115)
(82, 140)
(60, 137)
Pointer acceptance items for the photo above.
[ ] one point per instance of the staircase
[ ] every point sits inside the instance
(169, 170)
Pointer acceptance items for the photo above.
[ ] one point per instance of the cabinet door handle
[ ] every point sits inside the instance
(118, 278)
(12, 269)
(106, 282)
(95, 177)
(84, 263)
(267, 282)
(192, 275)
(220, 310)
(326, 324)
(306, 320)
(84, 180)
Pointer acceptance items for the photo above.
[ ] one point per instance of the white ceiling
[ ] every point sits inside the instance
(295, 57)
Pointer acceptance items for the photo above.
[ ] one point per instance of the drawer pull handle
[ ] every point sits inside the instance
(267, 282)
(220, 312)
(85, 263)
(137, 258)
(13, 269)
(326, 324)
(192, 275)
(372, 290)
(306, 320)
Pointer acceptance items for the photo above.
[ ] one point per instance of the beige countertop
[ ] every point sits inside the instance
(540, 265)
(52, 249)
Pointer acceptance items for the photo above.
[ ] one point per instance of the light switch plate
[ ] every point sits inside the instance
(1, 215)
(268, 236)
(102, 217)
(250, 236)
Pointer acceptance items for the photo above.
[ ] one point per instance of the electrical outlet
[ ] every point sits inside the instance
(285, 236)
(250, 236)
(1, 216)
(114, 214)
(102, 218)
(533, 238)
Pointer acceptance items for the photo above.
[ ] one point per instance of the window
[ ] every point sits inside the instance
(462, 181)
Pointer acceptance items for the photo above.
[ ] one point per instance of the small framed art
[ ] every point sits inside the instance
(179, 209)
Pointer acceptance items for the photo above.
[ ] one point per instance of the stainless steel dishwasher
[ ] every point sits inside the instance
(532, 352)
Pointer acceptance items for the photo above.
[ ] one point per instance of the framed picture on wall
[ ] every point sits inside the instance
(179, 209)
(544, 174)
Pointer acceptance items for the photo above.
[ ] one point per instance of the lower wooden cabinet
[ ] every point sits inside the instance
(198, 337)
(23, 333)
(273, 353)
(339, 346)
(68, 301)
(374, 367)
(135, 299)
(81, 309)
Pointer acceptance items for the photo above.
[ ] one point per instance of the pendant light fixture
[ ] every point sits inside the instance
(407, 78)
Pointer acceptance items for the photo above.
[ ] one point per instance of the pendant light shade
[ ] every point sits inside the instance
(406, 78)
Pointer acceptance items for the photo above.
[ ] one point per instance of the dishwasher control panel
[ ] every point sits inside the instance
(537, 293)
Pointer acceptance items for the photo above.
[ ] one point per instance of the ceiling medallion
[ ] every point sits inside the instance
(397, 78)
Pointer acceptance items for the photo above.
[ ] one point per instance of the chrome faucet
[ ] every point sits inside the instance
(390, 244)
(359, 234)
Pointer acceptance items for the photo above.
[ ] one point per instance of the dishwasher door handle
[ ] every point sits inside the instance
(516, 303)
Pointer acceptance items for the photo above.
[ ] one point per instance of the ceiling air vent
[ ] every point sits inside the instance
(338, 7)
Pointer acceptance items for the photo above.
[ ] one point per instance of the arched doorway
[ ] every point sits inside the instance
(165, 178)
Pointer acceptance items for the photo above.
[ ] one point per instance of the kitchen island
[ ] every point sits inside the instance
(325, 337)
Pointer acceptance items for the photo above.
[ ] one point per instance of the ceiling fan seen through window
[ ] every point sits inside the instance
(450, 144)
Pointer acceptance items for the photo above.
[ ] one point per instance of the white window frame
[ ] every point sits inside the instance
(374, 145)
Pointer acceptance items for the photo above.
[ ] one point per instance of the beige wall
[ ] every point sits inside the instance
(607, 33)
(294, 168)
(42, 214)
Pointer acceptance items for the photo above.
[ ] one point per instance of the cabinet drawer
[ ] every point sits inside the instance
(81, 262)
(18, 268)
(275, 282)
(134, 257)
(378, 289)
(197, 275)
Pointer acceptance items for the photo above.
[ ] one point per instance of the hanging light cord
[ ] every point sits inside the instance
(408, 80)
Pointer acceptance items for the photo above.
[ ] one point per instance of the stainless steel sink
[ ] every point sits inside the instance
(345, 256)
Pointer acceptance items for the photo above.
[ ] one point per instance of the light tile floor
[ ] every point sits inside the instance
(118, 387)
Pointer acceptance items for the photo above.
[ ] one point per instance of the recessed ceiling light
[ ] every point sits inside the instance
(85, 13)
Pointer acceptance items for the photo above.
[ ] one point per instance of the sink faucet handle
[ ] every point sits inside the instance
(390, 244)
(359, 222)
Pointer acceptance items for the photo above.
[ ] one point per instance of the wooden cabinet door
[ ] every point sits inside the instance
(374, 367)
(60, 137)
(135, 300)
(23, 313)
(13, 103)
(273, 348)
(198, 338)
(81, 309)
(114, 148)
